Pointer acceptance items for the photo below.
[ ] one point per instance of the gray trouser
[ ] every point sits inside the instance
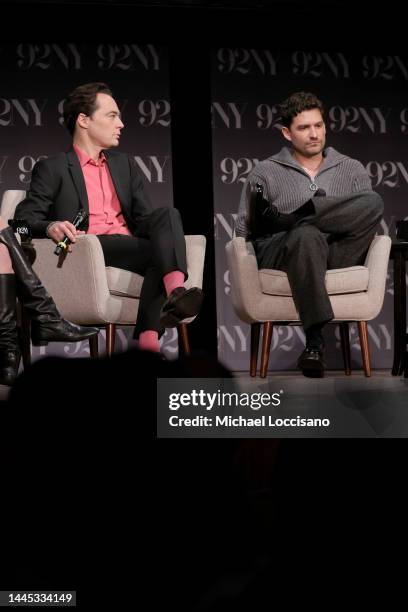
(337, 235)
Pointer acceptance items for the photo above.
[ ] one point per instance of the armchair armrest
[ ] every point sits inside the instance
(377, 263)
(195, 248)
(79, 286)
(246, 290)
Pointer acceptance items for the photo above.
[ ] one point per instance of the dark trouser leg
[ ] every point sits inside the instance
(314, 336)
(152, 298)
(351, 224)
(302, 253)
(164, 229)
(135, 254)
(348, 225)
(157, 248)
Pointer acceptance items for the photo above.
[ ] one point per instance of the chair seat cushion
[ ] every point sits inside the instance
(124, 283)
(340, 280)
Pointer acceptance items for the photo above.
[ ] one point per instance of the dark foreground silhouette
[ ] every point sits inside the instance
(92, 502)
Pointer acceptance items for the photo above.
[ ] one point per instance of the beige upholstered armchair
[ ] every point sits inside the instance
(88, 293)
(263, 297)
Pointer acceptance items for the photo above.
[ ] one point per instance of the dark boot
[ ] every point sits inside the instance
(47, 325)
(9, 347)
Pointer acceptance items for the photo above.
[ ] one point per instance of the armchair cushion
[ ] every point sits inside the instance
(123, 282)
(342, 280)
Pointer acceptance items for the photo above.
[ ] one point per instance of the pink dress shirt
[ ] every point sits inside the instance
(105, 215)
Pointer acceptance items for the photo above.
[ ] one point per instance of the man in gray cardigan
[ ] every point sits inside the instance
(319, 212)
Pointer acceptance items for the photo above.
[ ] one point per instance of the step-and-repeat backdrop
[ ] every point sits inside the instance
(366, 117)
(36, 77)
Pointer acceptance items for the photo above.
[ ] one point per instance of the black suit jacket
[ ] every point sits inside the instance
(57, 191)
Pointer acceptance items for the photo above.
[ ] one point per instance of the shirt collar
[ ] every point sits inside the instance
(84, 158)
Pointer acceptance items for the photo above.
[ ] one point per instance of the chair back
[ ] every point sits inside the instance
(11, 198)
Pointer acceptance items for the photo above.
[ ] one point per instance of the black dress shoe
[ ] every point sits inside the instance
(181, 304)
(311, 362)
(61, 330)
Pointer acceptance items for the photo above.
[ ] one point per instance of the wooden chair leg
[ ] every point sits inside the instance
(93, 347)
(255, 331)
(365, 351)
(183, 341)
(110, 339)
(266, 347)
(345, 347)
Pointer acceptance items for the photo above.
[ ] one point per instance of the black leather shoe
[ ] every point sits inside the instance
(9, 363)
(311, 362)
(181, 304)
(59, 331)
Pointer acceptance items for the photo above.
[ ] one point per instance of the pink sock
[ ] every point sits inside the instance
(172, 280)
(149, 341)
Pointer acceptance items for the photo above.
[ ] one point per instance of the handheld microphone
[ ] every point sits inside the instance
(77, 222)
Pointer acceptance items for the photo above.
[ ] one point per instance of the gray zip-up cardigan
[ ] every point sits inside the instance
(288, 186)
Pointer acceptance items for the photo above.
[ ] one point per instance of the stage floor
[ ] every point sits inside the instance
(355, 406)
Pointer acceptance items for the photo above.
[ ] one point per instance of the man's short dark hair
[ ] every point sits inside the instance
(297, 103)
(82, 100)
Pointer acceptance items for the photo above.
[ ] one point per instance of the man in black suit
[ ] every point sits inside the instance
(108, 186)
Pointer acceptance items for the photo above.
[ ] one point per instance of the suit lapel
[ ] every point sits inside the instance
(115, 163)
(78, 178)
